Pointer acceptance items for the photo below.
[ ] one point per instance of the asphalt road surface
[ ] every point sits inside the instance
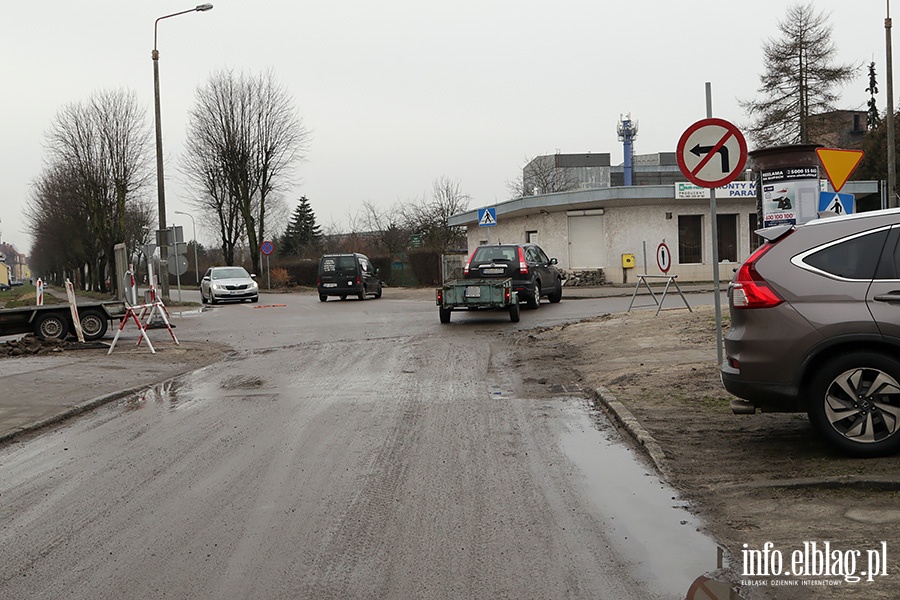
(347, 450)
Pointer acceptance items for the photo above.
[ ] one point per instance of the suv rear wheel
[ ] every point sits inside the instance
(854, 402)
(535, 300)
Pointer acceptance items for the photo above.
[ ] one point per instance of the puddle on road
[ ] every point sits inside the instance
(648, 521)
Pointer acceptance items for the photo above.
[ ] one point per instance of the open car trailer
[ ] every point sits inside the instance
(477, 294)
(55, 321)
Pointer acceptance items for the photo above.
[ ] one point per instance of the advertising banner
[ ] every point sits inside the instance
(789, 196)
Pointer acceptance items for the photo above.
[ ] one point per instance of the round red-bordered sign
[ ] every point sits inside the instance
(663, 258)
(711, 153)
(266, 247)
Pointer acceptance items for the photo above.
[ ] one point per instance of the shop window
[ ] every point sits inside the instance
(754, 239)
(726, 226)
(690, 239)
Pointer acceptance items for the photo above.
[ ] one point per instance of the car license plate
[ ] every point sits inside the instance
(329, 285)
(473, 291)
(493, 271)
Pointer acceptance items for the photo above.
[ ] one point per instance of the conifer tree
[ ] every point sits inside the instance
(799, 80)
(303, 235)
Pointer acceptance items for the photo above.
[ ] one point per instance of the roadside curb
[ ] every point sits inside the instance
(72, 411)
(629, 422)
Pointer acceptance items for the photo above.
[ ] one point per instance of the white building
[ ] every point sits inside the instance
(592, 229)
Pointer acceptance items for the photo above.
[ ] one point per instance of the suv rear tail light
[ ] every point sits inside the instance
(749, 289)
(469, 262)
(523, 266)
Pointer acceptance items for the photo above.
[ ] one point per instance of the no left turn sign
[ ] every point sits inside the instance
(711, 153)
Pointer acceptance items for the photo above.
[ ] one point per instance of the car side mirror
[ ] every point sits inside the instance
(553, 261)
(377, 271)
(206, 278)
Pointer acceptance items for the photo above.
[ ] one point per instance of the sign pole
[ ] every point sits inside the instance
(714, 223)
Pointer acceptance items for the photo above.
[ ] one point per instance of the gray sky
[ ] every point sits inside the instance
(401, 92)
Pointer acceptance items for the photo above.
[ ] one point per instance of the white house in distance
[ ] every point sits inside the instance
(593, 231)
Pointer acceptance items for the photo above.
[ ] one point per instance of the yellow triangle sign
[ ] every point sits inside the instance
(839, 164)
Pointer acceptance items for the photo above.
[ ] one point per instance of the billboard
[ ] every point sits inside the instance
(789, 195)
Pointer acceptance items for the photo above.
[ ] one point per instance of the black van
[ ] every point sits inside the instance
(347, 275)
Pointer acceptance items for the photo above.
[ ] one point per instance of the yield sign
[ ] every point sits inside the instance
(839, 164)
(711, 153)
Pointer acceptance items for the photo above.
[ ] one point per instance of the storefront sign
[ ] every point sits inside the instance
(735, 189)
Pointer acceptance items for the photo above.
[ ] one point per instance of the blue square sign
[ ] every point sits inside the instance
(487, 217)
(839, 204)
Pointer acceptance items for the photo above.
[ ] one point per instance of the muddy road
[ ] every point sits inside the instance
(345, 450)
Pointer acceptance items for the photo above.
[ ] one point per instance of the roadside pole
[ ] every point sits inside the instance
(714, 222)
(712, 153)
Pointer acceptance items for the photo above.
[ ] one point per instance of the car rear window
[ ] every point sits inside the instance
(338, 263)
(855, 258)
(495, 253)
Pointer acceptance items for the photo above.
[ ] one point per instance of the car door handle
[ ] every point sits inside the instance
(892, 297)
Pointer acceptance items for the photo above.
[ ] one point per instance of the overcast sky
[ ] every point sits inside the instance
(399, 93)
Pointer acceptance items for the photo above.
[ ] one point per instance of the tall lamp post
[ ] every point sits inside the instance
(194, 226)
(160, 179)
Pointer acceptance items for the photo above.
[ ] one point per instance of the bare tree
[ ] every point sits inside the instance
(215, 202)
(98, 162)
(540, 175)
(56, 220)
(245, 134)
(431, 217)
(799, 81)
(389, 227)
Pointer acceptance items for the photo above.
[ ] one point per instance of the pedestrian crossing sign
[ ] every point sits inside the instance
(839, 204)
(487, 217)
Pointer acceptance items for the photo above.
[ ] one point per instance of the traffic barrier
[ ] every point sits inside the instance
(130, 285)
(76, 320)
(141, 315)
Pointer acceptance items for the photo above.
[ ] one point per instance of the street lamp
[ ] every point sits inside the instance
(160, 179)
(194, 225)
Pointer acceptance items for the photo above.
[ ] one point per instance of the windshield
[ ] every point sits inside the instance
(230, 273)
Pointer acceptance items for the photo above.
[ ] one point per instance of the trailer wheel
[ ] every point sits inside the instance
(51, 325)
(445, 314)
(514, 312)
(93, 324)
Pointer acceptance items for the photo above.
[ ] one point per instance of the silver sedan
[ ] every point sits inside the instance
(222, 284)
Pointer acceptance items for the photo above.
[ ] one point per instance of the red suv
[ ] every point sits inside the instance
(815, 327)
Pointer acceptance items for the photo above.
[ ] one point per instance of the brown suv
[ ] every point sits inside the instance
(815, 327)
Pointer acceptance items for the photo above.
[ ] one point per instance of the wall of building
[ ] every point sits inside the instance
(551, 233)
(629, 230)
